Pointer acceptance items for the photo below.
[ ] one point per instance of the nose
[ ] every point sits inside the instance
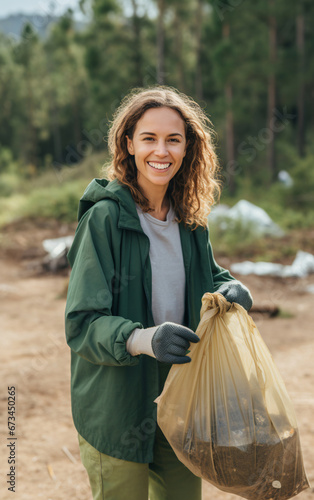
(161, 148)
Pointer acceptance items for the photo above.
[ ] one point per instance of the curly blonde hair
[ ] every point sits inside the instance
(193, 189)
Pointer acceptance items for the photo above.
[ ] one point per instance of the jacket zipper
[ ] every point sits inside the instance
(146, 265)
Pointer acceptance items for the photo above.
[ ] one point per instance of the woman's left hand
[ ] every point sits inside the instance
(235, 291)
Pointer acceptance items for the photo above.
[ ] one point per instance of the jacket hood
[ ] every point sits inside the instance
(101, 189)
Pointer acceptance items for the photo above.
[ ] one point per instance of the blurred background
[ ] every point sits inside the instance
(64, 67)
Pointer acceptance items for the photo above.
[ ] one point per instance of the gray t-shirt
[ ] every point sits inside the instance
(168, 274)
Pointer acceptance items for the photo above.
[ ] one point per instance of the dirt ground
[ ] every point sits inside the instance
(35, 359)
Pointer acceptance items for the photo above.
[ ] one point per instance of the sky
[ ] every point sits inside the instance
(40, 7)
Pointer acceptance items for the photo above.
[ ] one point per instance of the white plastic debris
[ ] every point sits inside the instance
(219, 211)
(57, 250)
(248, 214)
(302, 266)
(285, 178)
(57, 245)
(258, 268)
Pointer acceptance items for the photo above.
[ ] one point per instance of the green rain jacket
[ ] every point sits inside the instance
(110, 294)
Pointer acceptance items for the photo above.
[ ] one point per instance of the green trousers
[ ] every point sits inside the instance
(166, 478)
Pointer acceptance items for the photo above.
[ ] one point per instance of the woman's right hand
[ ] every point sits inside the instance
(171, 341)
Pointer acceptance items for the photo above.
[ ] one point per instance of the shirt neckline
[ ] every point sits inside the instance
(170, 216)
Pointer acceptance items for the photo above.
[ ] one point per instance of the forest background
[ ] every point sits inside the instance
(248, 64)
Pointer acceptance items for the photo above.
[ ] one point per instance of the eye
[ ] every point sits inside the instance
(173, 139)
(148, 139)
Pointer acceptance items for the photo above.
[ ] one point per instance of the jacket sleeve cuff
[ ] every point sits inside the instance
(140, 341)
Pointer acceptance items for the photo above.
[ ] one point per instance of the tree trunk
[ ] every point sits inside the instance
(271, 158)
(198, 68)
(56, 135)
(161, 43)
(229, 125)
(178, 51)
(55, 128)
(138, 60)
(77, 133)
(32, 149)
(301, 89)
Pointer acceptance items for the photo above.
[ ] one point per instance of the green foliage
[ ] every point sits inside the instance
(240, 241)
(236, 239)
(9, 183)
(58, 95)
(6, 159)
(301, 195)
(57, 202)
(51, 91)
(52, 194)
(285, 314)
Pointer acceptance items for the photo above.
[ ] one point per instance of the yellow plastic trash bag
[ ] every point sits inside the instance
(227, 414)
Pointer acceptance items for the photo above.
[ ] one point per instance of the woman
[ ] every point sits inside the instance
(141, 262)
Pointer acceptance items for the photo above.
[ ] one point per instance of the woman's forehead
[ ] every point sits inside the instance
(161, 120)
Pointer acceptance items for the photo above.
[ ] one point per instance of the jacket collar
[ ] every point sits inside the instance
(128, 218)
(100, 189)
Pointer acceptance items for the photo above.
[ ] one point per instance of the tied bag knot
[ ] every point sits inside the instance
(214, 300)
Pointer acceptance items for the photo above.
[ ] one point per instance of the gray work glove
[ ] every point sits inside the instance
(235, 291)
(171, 341)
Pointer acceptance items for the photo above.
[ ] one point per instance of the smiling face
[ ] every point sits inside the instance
(158, 146)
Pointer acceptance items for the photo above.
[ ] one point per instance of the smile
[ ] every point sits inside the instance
(159, 166)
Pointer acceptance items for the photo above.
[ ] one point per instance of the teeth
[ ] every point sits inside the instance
(159, 166)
